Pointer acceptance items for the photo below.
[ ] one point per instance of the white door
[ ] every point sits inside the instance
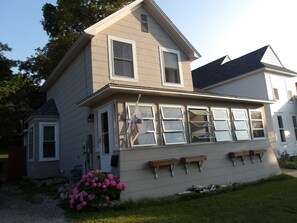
(105, 137)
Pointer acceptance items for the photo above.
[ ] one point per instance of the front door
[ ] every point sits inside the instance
(105, 137)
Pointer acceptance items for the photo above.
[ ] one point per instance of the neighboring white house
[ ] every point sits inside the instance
(259, 74)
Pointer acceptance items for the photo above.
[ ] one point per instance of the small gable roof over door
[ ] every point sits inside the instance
(90, 32)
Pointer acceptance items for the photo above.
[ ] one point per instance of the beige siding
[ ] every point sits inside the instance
(147, 50)
(71, 87)
(217, 169)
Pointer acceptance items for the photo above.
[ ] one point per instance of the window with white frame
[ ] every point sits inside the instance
(257, 124)
(294, 120)
(173, 125)
(241, 124)
(48, 141)
(148, 137)
(171, 67)
(275, 94)
(31, 144)
(199, 125)
(281, 128)
(221, 123)
(122, 59)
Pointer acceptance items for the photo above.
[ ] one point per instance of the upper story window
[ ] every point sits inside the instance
(148, 135)
(173, 125)
(48, 141)
(281, 128)
(221, 123)
(144, 23)
(275, 94)
(241, 124)
(171, 67)
(31, 144)
(122, 59)
(257, 124)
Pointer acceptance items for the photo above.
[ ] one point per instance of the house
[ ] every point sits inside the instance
(259, 74)
(190, 136)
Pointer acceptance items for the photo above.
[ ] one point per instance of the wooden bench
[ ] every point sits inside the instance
(257, 152)
(156, 164)
(193, 159)
(239, 154)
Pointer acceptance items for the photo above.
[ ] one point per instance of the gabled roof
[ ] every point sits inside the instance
(49, 109)
(90, 32)
(217, 72)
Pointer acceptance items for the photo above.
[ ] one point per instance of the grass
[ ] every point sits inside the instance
(272, 200)
(290, 163)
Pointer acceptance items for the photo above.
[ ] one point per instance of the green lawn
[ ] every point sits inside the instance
(273, 200)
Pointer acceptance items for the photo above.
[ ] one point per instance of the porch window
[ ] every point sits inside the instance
(31, 144)
(295, 126)
(148, 137)
(281, 128)
(257, 124)
(199, 125)
(122, 56)
(221, 124)
(173, 125)
(241, 125)
(171, 67)
(48, 141)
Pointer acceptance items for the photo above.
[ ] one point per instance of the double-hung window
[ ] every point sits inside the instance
(199, 125)
(171, 67)
(173, 125)
(48, 141)
(257, 124)
(122, 59)
(295, 125)
(241, 124)
(221, 123)
(148, 131)
(281, 128)
(31, 144)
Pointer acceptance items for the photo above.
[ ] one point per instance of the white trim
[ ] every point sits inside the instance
(161, 50)
(33, 144)
(146, 118)
(182, 119)
(111, 59)
(56, 126)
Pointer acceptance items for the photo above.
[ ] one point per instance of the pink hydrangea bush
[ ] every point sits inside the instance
(95, 187)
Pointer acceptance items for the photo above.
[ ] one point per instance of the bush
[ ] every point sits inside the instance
(96, 188)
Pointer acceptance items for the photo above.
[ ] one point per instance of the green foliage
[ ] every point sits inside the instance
(247, 203)
(63, 23)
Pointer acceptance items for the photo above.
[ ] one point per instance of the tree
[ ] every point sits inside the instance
(19, 96)
(64, 23)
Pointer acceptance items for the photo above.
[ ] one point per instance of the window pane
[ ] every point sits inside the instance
(49, 149)
(173, 125)
(240, 125)
(122, 50)
(242, 135)
(170, 60)
(174, 113)
(145, 139)
(49, 133)
(282, 135)
(258, 133)
(221, 125)
(149, 125)
(257, 124)
(220, 114)
(223, 136)
(239, 115)
(256, 115)
(294, 121)
(280, 121)
(123, 68)
(172, 76)
(146, 111)
(174, 137)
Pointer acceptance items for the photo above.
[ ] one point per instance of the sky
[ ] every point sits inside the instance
(214, 27)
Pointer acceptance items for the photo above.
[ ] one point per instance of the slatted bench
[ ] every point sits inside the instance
(193, 159)
(156, 164)
(257, 152)
(239, 154)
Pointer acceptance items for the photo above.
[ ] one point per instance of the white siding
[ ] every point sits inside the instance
(270, 58)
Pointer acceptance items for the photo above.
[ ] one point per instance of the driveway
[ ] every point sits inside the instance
(14, 208)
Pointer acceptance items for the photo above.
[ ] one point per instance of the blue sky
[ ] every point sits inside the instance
(214, 27)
